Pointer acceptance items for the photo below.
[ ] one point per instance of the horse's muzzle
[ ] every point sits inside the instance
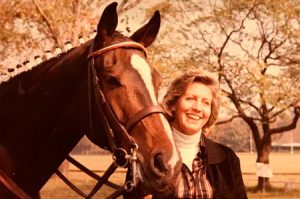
(159, 178)
(159, 166)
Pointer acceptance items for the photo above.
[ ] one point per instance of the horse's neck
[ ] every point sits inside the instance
(51, 77)
(41, 124)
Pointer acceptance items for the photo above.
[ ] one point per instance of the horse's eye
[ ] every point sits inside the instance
(113, 81)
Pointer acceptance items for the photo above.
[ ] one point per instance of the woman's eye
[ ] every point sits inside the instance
(206, 103)
(189, 98)
(112, 81)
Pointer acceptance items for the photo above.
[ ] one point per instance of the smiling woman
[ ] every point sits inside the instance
(210, 170)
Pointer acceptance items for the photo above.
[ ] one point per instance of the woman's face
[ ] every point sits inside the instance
(193, 108)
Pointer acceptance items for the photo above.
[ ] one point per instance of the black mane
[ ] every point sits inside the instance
(32, 78)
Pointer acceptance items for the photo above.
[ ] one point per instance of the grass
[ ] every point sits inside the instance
(56, 189)
(285, 181)
(276, 193)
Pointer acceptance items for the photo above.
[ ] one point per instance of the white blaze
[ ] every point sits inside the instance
(173, 160)
(139, 64)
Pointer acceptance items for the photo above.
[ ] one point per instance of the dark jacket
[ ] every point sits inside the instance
(224, 172)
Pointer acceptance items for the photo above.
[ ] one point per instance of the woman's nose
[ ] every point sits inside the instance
(197, 106)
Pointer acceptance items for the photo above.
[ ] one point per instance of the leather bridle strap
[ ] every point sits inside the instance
(12, 186)
(112, 126)
(142, 114)
(101, 179)
(126, 44)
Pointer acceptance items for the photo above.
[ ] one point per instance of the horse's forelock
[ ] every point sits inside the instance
(117, 37)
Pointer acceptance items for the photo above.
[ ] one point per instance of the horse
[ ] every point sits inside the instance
(88, 90)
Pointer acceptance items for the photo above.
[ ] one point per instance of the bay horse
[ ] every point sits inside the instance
(45, 111)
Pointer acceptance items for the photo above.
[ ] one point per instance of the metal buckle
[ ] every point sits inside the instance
(129, 185)
(132, 159)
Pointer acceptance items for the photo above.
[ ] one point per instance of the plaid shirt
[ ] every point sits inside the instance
(195, 185)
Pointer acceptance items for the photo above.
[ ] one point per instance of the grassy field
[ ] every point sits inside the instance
(286, 178)
(56, 189)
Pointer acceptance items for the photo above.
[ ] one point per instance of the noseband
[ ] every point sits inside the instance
(112, 127)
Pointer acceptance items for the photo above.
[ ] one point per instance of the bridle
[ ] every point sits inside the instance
(112, 128)
(111, 124)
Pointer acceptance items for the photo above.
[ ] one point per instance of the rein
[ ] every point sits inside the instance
(12, 186)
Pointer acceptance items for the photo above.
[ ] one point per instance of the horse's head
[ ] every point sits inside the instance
(130, 86)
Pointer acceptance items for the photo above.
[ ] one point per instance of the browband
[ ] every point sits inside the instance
(118, 45)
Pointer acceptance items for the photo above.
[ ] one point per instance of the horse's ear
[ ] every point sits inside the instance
(108, 21)
(146, 34)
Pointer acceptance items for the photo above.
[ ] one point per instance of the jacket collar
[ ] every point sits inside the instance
(215, 153)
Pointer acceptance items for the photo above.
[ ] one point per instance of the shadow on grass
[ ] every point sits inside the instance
(273, 192)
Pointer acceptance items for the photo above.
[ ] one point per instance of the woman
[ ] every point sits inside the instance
(210, 170)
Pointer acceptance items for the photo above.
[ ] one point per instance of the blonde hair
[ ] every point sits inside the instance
(178, 88)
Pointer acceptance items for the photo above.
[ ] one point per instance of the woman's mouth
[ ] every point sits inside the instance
(193, 116)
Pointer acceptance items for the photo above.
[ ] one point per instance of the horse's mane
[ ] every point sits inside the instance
(46, 64)
(32, 77)
(35, 74)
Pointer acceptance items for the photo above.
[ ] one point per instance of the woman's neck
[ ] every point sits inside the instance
(188, 146)
(184, 140)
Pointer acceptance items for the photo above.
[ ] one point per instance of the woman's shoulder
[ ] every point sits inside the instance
(217, 152)
(211, 143)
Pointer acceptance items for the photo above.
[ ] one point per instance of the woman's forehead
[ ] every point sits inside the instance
(198, 88)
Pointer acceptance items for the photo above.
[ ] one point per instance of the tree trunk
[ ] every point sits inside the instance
(263, 153)
(263, 184)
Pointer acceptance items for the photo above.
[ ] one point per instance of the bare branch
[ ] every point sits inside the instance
(47, 21)
(126, 6)
(290, 126)
(228, 120)
(251, 105)
(293, 104)
(231, 33)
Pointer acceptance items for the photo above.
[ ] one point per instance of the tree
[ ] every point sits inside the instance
(234, 135)
(254, 48)
(31, 27)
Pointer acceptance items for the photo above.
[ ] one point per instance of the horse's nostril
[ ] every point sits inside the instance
(159, 166)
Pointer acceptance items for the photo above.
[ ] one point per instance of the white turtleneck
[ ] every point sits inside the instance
(188, 146)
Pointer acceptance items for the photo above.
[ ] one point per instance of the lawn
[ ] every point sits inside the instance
(286, 178)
